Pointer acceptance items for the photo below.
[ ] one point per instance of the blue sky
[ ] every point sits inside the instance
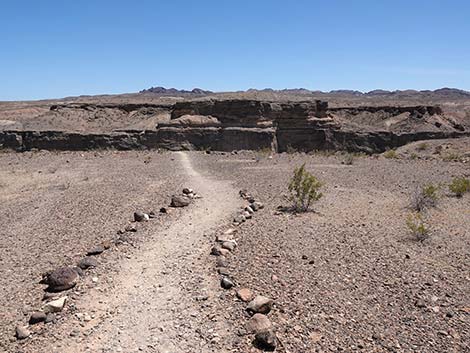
(61, 48)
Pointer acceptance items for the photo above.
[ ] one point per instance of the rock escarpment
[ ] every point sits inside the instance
(227, 125)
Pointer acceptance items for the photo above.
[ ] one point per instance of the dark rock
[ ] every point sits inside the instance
(87, 262)
(187, 191)
(180, 201)
(216, 250)
(152, 215)
(37, 317)
(243, 193)
(140, 216)
(62, 279)
(265, 340)
(163, 210)
(226, 283)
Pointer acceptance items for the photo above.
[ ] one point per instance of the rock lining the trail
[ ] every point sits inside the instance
(87, 262)
(22, 332)
(260, 304)
(37, 317)
(55, 306)
(62, 279)
(140, 216)
(180, 201)
(65, 278)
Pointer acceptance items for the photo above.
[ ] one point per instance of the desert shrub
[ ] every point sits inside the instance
(348, 159)
(417, 226)
(424, 196)
(391, 154)
(263, 153)
(290, 149)
(452, 157)
(422, 146)
(413, 156)
(459, 186)
(304, 189)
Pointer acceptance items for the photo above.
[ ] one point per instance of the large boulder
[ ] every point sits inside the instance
(62, 279)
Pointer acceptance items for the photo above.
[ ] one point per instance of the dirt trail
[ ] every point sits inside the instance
(154, 306)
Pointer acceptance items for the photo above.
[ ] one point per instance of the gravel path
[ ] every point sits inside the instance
(150, 308)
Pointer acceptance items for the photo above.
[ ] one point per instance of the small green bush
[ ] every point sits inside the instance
(304, 189)
(430, 191)
(391, 154)
(459, 186)
(452, 157)
(422, 146)
(424, 197)
(417, 226)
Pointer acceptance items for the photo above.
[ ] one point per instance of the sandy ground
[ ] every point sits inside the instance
(347, 277)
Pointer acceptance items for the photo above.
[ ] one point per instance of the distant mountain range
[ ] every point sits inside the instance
(444, 93)
(174, 91)
(448, 92)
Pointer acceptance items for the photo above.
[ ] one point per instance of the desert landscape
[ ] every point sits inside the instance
(170, 221)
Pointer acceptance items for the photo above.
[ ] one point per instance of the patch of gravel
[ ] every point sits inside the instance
(58, 206)
(349, 277)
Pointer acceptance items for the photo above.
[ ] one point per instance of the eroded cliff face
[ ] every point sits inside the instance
(228, 125)
(307, 126)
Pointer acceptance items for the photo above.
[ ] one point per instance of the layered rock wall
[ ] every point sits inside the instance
(227, 125)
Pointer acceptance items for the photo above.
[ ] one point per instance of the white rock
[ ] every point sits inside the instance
(55, 305)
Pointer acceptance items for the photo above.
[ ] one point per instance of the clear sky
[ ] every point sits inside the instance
(51, 49)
